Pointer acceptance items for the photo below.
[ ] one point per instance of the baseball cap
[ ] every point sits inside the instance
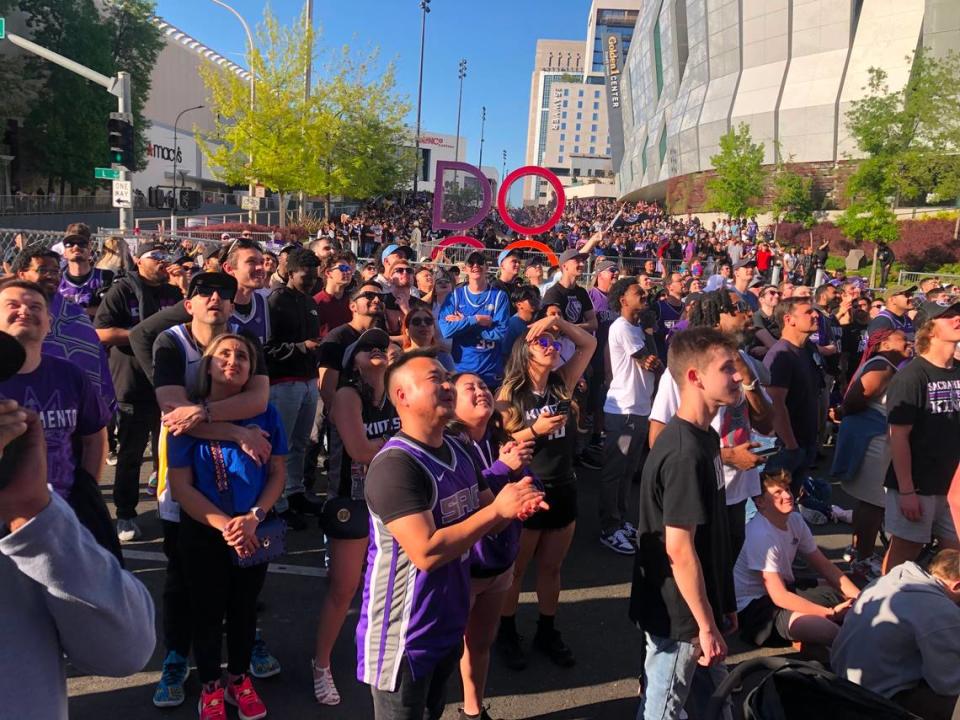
(571, 254)
(744, 262)
(372, 338)
(901, 290)
(76, 238)
(225, 284)
(394, 248)
(756, 282)
(932, 310)
(155, 250)
(476, 257)
(606, 265)
(505, 254)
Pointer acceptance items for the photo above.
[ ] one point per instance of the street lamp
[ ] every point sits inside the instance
(425, 8)
(253, 92)
(461, 73)
(503, 171)
(483, 122)
(173, 207)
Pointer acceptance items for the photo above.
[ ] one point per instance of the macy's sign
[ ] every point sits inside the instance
(163, 152)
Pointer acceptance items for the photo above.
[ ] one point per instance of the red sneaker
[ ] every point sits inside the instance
(249, 705)
(211, 706)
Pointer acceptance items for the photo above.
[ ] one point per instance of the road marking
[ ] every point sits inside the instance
(278, 568)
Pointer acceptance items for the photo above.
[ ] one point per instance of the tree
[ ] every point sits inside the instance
(738, 186)
(792, 199)
(344, 139)
(65, 125)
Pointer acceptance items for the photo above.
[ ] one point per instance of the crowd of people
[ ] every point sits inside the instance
(435, 417)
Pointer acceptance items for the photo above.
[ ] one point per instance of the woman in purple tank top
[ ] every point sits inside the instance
(502, 461)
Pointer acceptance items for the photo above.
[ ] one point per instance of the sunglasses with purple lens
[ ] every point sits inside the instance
(545, 343)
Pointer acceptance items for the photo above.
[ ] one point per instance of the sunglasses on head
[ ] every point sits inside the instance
(208, 291)
(545, 343)
(75, 243)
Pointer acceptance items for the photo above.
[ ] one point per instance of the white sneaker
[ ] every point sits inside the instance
(629, 530)
(324, 689)
(841, 514)
(618, 542)
(128, 530)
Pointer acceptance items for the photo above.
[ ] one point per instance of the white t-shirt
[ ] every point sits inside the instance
(631, 387)
(731, 423)
(769, 549)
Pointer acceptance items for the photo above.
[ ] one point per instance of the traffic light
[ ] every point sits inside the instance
(190, 199)
(120, 140)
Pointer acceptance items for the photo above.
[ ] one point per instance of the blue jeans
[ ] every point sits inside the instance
(673, 679)
(297, 404)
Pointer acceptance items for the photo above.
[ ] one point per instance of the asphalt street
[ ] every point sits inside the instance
(592, 618)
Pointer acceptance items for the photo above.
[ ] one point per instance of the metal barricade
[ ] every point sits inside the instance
(914, 278)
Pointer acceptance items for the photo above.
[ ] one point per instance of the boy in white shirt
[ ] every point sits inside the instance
(769, 608)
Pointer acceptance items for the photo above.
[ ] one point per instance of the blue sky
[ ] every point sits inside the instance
(497, 37)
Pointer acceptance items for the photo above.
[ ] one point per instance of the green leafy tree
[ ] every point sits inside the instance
(344, 139)
(792, 199)
(738, 185)
(65, 118)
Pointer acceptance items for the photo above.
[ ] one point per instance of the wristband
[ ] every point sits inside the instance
(752, 386)
(912, 492)
(536, 435)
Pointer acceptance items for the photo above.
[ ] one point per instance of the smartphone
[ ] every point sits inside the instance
(563, 407)
(767, 447)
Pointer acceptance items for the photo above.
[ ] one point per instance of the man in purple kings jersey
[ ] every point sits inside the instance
(428, 506)
(82, 283)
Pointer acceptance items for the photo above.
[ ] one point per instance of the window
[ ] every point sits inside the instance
(577, 128)
(596, 106)
(576, 148)
(564, 103)
(643, 155)
(563, 115)
(579, 93)
(561, 149)
(579, 104)
(593, 128)
(683, 40)
(658, 57)
(560, 159)
(596, 116)
(596, 94)
(579, 116)
(593, 150)
(563, 126)
(563, 136)
(593, 138)
(566, 93)
(663, 143)
(608, 151)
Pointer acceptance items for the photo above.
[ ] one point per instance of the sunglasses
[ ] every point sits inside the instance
(75, 243)
(773, 292)
(403, 271)
(741, 306)
(343, 268)
(208, 291)
(370, 349)
(877, 306)
(420, 322)
(157, 256)
(544, 343)
(369, 296)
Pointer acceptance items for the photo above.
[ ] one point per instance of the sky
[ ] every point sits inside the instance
(497, 37)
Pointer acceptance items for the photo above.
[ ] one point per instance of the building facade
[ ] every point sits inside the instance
(568, 123)
(789, 69)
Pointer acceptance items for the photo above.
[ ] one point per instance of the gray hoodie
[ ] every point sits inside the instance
(902, 629)
(61, 594)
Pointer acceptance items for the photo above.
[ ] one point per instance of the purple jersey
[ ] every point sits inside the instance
(69, 408)
(406, 612)
(73, 338)
(82, 294)
(256, 323)
(494, 553)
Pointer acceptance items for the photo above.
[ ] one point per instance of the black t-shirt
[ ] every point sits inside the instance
(552, 462)
(410, 490)
(682, 485)
(928, 398)
(796, 369)
(574, 302)
(768, 323)
(334, 345)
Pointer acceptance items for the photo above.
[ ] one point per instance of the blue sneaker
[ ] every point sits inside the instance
(169, 692)
(262, 663)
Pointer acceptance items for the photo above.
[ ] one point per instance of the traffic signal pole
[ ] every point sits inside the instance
(119, 86)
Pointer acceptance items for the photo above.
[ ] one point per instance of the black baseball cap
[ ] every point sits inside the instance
(151, 247)
(225, 284)
(476, 257)
(745, 262)
(571, 254)
(372, 338)
(933, 310)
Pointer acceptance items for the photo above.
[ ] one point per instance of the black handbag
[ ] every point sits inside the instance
(345, 518)
(271, 533)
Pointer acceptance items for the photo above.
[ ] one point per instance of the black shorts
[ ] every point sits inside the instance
(562, 500)
(764, 624)
(345, 519)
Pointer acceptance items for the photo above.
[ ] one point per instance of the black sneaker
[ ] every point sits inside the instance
(551, 644)
(484, 715)
(294, 520)
(511, 652)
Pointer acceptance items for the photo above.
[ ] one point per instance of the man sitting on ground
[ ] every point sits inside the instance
(769, 608)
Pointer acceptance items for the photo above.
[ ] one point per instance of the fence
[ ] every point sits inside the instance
(914, 278)
(53, 203)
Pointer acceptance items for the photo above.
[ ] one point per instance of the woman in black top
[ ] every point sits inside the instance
(535, 402)
(362, 419)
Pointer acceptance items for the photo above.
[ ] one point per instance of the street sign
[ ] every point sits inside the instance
(106, 174)
(122, 194)
(3, 28)
(260, 191)
(249, 203)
